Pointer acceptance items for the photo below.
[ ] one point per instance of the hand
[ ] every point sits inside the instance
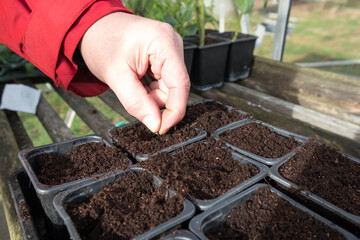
(120, 48)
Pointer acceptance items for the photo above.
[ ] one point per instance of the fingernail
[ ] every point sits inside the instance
(151, 123)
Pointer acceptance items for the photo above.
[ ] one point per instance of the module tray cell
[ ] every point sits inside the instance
(82, 194)
(202, 224)
(30, 160)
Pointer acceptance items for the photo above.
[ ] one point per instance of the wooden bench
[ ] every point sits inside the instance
(320, 105)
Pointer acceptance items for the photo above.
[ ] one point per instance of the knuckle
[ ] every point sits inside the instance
(187, 84)
(167, 28)
(133, 107)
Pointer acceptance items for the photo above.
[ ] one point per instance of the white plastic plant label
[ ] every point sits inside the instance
(19, 97)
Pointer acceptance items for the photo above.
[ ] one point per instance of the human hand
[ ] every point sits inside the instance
(120, 48)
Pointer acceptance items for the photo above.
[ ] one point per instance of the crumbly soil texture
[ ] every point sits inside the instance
(138, 139)
(268, 216)
(125, 209)
(207, 116)
(81, 162)
(260, 140)
(322, 170)
(204, 170)
(210, 116)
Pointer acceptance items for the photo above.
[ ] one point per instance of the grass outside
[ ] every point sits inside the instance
(39, 135)
(325, 31)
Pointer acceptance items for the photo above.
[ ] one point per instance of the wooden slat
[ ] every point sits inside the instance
(112, 101)
(332, 94)
(9, 162)
(54, 125)
(194, 98)
(21, 77)
(21, 137)
(87, 112)
(320, 120)
(280, 119)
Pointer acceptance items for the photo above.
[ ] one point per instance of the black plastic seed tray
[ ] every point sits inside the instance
(144, 156)
(34, 223)
(82, 193)
(180, 235)
(227, 107)
(204, 222)
(46, 193)
(275, 175)
(268, 161)
(204, 205)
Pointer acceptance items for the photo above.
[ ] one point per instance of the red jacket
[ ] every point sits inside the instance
(47, 32)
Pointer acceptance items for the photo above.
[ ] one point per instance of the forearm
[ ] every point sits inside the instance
(47, 34)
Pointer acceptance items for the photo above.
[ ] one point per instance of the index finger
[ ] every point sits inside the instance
(175, 77)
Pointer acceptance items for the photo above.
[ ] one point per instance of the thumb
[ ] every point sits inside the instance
(136, 99)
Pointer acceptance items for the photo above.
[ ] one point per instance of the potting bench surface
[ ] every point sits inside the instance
(307, 116)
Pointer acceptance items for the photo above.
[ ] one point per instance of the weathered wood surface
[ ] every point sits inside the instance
(112, 101)
(194, 98)
(286, 122)
(9, 163)
(87, 112)
(54, 125)
(21, 137)
(317, 119)
(332, 94)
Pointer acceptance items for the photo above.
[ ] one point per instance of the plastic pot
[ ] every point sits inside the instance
(84, 192)
(189, 50)
(329, 207)
(180, 235)
(209, 64)
(21, 207)
(268, 161)
(144, 156)
(204, 205)
(28, 157)
(202, 223)
(240, 56)
(34, 223)
(221, 105)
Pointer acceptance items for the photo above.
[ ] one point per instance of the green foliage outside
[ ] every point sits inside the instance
(204, 18)
(179, 14)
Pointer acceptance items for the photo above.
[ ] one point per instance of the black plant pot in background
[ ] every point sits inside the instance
(240, 55)
(189, 50)
(209, 63)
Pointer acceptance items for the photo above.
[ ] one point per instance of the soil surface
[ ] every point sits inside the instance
(323, 171)
(260, 140)
(203, 171)
(125, 209)
(267, 216)
(24, 210)
(81, 162)
(210, 116)
(138, 139)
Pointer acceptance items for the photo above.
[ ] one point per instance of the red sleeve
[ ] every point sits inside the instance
(47, 34)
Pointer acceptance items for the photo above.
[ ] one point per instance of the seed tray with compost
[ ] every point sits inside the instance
(141, 143)
(324, 175)
(260, 141)
(134, 205)
(60, 166)
(206, 172)
(261, 212)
